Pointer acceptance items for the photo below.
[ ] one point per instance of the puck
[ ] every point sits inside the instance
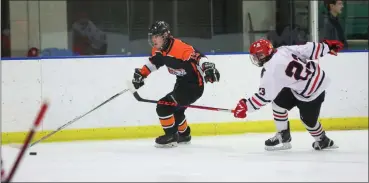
(33, 153)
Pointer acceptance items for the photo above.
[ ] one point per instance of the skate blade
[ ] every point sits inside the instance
(285, 146)
(331, 147)
(169, 145)
(184, 143)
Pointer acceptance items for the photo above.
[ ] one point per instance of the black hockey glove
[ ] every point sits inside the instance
(211, 73)
(138, 79)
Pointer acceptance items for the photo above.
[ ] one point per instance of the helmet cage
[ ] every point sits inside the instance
(258, 59)
(163, 35)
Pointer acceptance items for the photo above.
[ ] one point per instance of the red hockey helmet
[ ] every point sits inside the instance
(261, 51)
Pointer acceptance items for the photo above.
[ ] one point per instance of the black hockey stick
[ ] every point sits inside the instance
(140, 99)
(79, 117)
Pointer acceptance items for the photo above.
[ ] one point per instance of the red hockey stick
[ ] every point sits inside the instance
(28, 140)
(139, 98)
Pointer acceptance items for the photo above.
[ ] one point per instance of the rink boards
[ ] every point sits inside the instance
(74, 86)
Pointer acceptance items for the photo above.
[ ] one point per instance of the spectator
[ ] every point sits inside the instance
(332, 28)
(88, 39)
(287, 37)
(5, 43)
(33, 52)
(286, 33)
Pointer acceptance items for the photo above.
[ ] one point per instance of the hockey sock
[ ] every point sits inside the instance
(167, 122)
(280, 117)
(315, 131)
(182, 127)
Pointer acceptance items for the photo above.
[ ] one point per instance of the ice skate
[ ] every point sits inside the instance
(281, 141)
(184, 139)
(166, 141)
(324, 143)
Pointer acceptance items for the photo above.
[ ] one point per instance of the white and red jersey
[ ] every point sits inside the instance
(96, 37)
(292, 67)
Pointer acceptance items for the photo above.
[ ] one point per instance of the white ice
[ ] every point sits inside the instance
(220, 158)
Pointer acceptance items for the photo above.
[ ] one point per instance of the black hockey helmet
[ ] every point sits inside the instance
(159, 28)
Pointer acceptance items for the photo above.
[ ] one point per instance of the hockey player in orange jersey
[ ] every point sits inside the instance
(192, 70)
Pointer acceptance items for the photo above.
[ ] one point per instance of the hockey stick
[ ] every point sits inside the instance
(79, 117)
(140, 99)
(29, 137)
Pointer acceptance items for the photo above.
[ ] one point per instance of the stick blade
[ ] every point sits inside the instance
(16, 146)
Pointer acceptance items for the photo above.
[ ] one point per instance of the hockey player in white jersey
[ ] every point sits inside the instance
(290, 77)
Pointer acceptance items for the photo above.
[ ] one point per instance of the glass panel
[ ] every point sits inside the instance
(227, 26)
(194, 25)
(97, 27)
(213, 26)
(350, 25)
(283, 22)
(5, 29)
(142, 14)
(19, 28)
(110, 27)
(53, 28)
(140, 17)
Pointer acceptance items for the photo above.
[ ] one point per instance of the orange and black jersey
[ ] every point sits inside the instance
(180, 58)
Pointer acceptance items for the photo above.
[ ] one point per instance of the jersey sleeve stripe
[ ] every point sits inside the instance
(249, 101)
(320, 82)
(311, 55)
(261, 98)
(317, 51)
(315, 81)
(308, 83)
(256, 102)
(322, 53)
(199, 76)
(151, 66)
(145, 71)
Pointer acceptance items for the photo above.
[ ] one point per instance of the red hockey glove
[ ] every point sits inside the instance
(241, 109)
(334, 46)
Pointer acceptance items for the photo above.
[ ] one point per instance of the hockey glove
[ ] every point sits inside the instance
(211, 73)
(241, 109)
(138, 79)
(334, 46)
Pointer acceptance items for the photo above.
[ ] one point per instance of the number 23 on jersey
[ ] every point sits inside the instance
(298, 69)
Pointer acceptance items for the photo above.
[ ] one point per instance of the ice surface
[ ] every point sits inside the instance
(220, 158)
